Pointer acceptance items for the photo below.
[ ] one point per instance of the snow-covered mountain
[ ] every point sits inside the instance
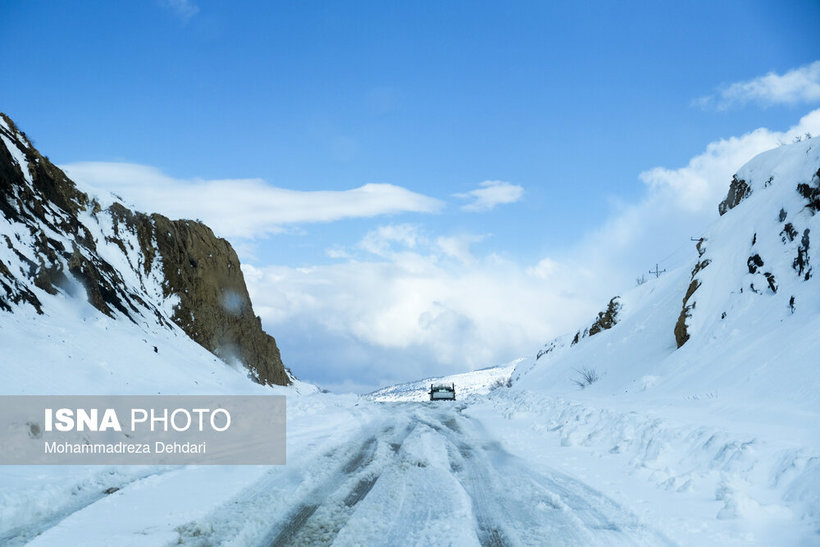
(741, 321)
(158, 284)
(706, 381)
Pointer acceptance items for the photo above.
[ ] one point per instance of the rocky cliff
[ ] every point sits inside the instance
(129, 265)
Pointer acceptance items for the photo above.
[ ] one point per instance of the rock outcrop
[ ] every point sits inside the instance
(606, 319)
(681, 327)
(139, 267)
(738, 190)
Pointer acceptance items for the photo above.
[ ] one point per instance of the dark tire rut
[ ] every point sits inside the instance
(325, 510)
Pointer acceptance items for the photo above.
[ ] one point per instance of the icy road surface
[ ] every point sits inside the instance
(419, 474)
(359, 472)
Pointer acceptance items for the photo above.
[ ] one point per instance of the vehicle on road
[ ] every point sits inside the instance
(440, 392)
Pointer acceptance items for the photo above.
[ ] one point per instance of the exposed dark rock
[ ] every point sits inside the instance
(738, 191)
(214, 306)
(754, 262)
(580, 335)
(782, 215)
(788, 232)
(198, 268)
(701, 247)
(547, 349)
(14, 292)
(771, 280)
(811, 192)
(801, 261)
(700, 265)
(102, 294)
(606, 320)
(681, 328)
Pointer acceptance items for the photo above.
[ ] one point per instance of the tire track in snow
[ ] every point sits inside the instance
(304, 505)
(505, 502)
(319, 523)
(473, 477)
(515, 505)
(297, 529)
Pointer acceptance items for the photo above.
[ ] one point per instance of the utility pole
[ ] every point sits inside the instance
(657, 272)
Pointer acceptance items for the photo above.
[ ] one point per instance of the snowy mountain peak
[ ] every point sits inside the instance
(146, 269)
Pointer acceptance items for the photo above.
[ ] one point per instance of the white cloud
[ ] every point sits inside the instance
(337, 252)
(413, 314)
(394, 240)
(489, 194)
(458, 247)
(382, 240)
(184, 9)
(699, 184)
(545, 268)
(799, 85)
(703, 180)
(242, 207)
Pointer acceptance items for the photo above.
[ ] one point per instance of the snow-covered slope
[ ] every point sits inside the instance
(707, 382)
(749, 302)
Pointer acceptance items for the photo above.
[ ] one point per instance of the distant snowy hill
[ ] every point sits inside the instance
(477, 382)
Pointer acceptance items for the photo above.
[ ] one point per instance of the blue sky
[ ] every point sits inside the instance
(555, 113)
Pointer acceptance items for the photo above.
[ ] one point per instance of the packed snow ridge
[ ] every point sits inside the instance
(685, 413)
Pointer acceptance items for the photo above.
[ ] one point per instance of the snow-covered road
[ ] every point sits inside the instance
(502, 468)
(417, 474)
